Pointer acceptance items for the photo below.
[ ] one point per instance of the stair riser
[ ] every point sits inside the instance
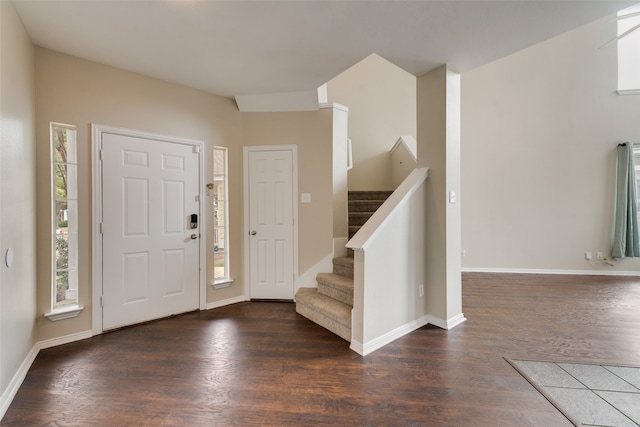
(369, 195)
(359, 219)
(343, 270)
(324, 321)
(337, 294)
(364, 206)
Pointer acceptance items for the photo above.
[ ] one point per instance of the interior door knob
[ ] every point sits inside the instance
(253, 232)
(194, 236)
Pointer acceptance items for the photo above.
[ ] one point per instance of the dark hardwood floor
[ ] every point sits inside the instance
(260, 363)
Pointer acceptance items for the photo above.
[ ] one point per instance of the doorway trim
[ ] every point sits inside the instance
(97, 130)
(245, 176)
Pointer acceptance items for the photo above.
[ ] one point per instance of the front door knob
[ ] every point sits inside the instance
(253, 232)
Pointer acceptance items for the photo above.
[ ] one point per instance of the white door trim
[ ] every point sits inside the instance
(245, 176)
(97, 130)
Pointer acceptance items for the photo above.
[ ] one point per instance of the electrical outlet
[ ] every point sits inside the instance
(421, 290)
(588, 256)
(599, 255)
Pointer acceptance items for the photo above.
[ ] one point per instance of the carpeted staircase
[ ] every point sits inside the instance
(330, 304)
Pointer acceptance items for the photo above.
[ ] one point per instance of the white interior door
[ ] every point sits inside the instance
(271, 225)
(151, 253)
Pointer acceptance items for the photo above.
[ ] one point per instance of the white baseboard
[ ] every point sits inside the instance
(224, 302)
(64, 340)
(11, 390)
(446, 324)
(393, 335)
(550, 271)
(379, 342)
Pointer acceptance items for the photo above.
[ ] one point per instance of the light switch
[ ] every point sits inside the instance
(306, 198)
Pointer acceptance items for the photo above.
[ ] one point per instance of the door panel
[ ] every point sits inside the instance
(150, 262)
(271, 218)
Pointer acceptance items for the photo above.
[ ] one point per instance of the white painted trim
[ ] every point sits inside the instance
(550, 271)
(97, 130)
(379, 342)
(334, 105)
(224, 302)
(409, 143)
(245, 199)
(64, 313)
(54, 342)
(221, 284)
(15, 383)
(393, 335)
(357, 347)
(453, 322)
(628, 92)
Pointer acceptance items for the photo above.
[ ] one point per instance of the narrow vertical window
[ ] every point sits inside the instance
(220, 206)
(65, 216)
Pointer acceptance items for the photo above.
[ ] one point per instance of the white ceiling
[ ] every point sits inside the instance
(259, 47)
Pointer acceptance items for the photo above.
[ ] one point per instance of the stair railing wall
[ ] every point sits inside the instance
(389, 267)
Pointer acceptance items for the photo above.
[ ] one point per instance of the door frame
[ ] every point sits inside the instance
(97, 130)
(247, 240)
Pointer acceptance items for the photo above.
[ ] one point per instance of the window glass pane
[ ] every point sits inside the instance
(628, 48)
(62, 251)
(72, 181)
(69, 217)
(61, 181)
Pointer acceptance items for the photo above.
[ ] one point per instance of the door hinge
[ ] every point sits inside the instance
(101, 301)
(197, 198)
(100, 228)
(196, 149)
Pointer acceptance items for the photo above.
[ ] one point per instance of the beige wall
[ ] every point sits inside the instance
(382, 107)
(78, 92)
(17, 197)
(312, 132)
(539, 132)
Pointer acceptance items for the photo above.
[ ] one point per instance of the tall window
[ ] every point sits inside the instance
(220, 215)
(65, 216)
(629, 50)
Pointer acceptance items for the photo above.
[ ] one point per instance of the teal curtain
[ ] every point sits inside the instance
(625, 212)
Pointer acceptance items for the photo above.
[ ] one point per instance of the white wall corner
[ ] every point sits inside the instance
(357, 347)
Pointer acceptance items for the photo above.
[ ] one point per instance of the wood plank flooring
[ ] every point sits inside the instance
(259, 363)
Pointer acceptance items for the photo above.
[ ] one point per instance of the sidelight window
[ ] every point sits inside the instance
(65, 217)
(220, 206)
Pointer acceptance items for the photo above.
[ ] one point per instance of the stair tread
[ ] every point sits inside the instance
(334, 309)
(335, 280)
(343, 260)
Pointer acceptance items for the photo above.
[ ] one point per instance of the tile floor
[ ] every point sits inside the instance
(589, 395)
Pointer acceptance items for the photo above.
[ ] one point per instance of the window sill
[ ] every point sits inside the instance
(221, 284)
(64, 313)
(629, 92)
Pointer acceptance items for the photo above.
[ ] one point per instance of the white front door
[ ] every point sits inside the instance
(271, 225)
(151, 253)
